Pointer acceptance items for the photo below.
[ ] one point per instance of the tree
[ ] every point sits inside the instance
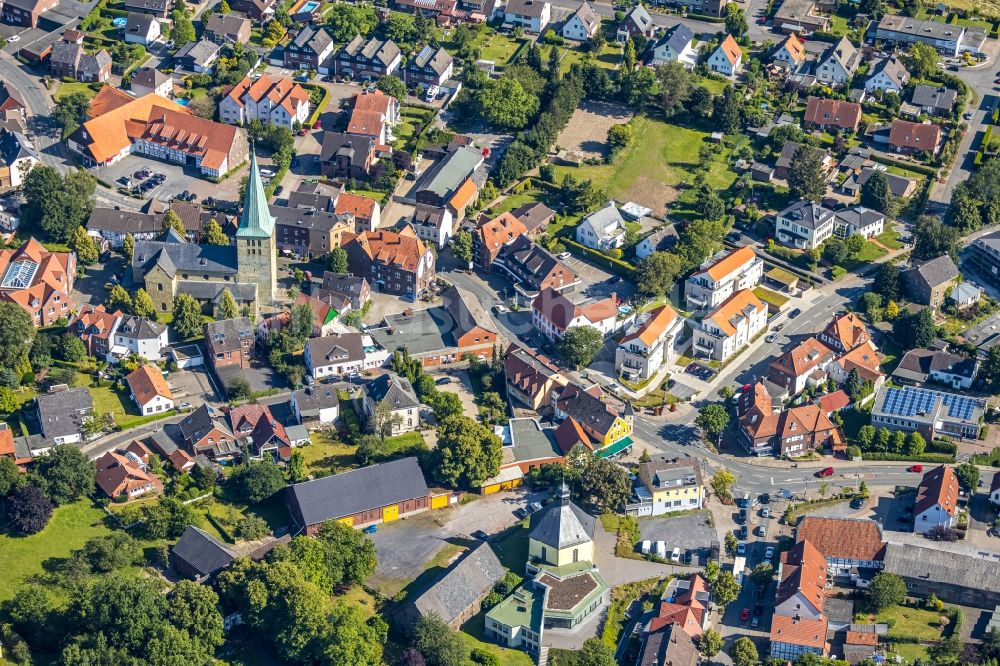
(104, 554)
(128, 247)
(656, 274)
(866, 435)
(187, 316)
(239, 389)
(168, 518)
(461, 246)
(183, 29)
(605, 485)
(886, 590)
(946, 651)
(57, 206)
(712, 570)
(28, 509)
(596, 652)
(300, 324)
(10, 476)
(916, 445)
(338, 260)
(259, 480)
(213, 234)
(968, 476)
(875, 9)
(171, 220)
(16, 334)
(989, 648)
(855, 244)
(990, 370)
(344, 21)
(933, 238)
(915, 329)
(119, 299)
(675, 88)
(887, 281)
(728, 110)
(922, 60)
(736, 21)
(505, 104)
(85, 247)
(65, 473)
(722, 484)
(580, 345)
(762, 573)
(40, 354)
(807, 178)
(385, 421)
(708, 204)
(726, 588)
(620, 136)
(438, 643)
(194, 610)
(351, 638)
(710, 643)
(227, 306)
(350, 554)
(72, 349)
(142, 305)
(251, 527)
(392, 86)
(467, 453)
(712, 419)
(297, 471)
(71, 111)
(731, 543)
(876, 194)
(744, 652)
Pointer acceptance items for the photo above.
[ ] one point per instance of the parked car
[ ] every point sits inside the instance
(857, 503)
(535, 506)
(371, 529)
(771, 338)
(741, 548)
(481, 535)
(563, 256)
(443, 380)
(769, 553)
(765, 513)
(744, 615)
(183, 406)
(755, 621)
(761, 530)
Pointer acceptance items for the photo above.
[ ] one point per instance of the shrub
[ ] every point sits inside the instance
(481, 656)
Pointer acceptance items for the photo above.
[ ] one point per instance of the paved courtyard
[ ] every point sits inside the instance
(179, 179)
(692, 532)
(192, 386)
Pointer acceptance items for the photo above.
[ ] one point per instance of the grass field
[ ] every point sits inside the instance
(608, 58)
(911, 652)
(411, 121)
(23, 557)
(890, 238)
(126, 413)
(924, 624)
(66, 89)
(326, 455)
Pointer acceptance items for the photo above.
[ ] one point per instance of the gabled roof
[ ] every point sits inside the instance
(401, 249)
(465, 583)
(728, 264)
(147, 77)
(333, 349)
(529, 372)
(848, 329)
(499, 231)
(587, 16)
(561, 311)
(533, 215)
(202, 552)
(802, 359)
(894, 69)
(62, 413)
(316, 40)
(226, 25)
(570, 433)
(938, 487)
(117, 473)
(863, 358)
(803, 571)
(228, 334)
(942, 99)
(437, 59)
(395, 390)
(200, 422)
(795, 49)
(640, 18)
(798, 631)
(737, 307)
(669, 646)
(843, 538)
(466, 310)
(807, 214)
(562, 523)
(919, 136)
(146, 383)
(935, 272)
(823, 111)
(730, 49)
(531, 8)
(677, 38)
(844, 53)
(655, 324)
(587, 409)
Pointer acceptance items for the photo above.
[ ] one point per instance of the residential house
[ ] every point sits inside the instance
(670, 485)
(995, 489)
(275, 101)
(836, 114)
(434, 224)
(257, 10)
(984, 257)
(730, 327)
(684, 606)
(920, 366)
(602, 230)
(309, 233)
(800, 16)
(858, 221)
(17, 158)
(936, 504)
(149, 390)
(360, 497)
(324, 313)
(653, 338)
(845, 332)
(114, 224)
(900, 186)
(366, 211)
(39, 281)
(933, 100)
(791, 53)
(662, 240)
(459, 595)
(928, 282)
(955, 577)
(159, 8)
(364, 58)
(804, 365)
(257, 431)
(25, 13)
(675, 45)
(904, 30)
(198, 57)
(912, 138)
(430, 67)
(198, 555)
(164, 445)
(227, 29)
(12, 106)
(581, 24)
(138, 336)
(721, 276)
(796, 431)
(393, 263)
(206, 432)
(965, 295)
(229, 342)
(804, 225)
(531, 378)
(552, 314)
(123, 474)
(373, 114)
(669, 644)
(636, 22)
(149, 80)
(535, 217)
(865, 361)
(346, 156)
(141, 29)
(396, 394)
(727, 58)
(931, 413)
(355, 289)
(798, 625)
(95, 327)
(491, 236)
(838, 63)
(888, 75)
(60, 414)
(588, 420)
(342, 354)
(316, 403)
(845, 543)
(533, 269)
(70, 60)
(530, 15)
(783, 165)
(310, 48)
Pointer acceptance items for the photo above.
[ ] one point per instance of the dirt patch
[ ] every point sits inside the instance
(586, 133)
(652, 194)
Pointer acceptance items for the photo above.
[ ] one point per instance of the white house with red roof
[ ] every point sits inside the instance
(727, 57)
(552, 314)
(271, 100)
(653, 338)
(937, 500)
(730, 327)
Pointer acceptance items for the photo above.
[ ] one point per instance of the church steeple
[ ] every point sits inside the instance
(256, 220)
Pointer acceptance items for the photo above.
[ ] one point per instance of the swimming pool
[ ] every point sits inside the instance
(182, 101)
(119, 22)
(310, 7)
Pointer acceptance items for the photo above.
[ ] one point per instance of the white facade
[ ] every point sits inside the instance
(602, 230)
(375, 359)
(932, 517)
(20, 168)
(164, 89)
(534, 24)
(577, 30)
(719, 62)
(146, 347)
(664, 52)
(267, 110)
(804, 237)
(883, 82)
(721, 335)
(638, 359)
(327, 415)
(702, 291)
(439, 233)
(152, 34)
(156, 405)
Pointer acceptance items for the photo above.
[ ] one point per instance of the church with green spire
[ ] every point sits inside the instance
(171, 265)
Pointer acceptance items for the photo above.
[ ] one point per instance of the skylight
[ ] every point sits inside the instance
(19, 275)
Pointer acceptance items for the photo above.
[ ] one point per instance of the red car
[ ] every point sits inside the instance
(915, 468)
(744, 615)
(826, 471)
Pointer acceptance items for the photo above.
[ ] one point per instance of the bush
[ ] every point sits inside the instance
(616, 265)
(936, 458)
(853, 452)
(481, 656)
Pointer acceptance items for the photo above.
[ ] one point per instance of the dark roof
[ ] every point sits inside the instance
(306, 218)
(917, 364)
(200, 52)
(932, 96)
(468, 580)
(530, 261)
(806, 213)
(62, 413)
(310, 398)
(533, 215)
(788, 150)
(668, 646)
(562, 524)
(123, 221)
(640, 18)
(15, 146)
(397, 390)
(437, 59)
(227, 334)
(358, 490)
(332, 349)
(139, 23)
(466, 310)
(315, 40)
(934, 272)
(201, 551)
(149, 77)
(138, 328)
(226, 25)
(178, 256)
(677, 38)
(200, 422)
(340, 283)
(65, 53)
(354, 146)
(372, 49)
(587, 409)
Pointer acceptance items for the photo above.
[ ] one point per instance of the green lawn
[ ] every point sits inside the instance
(411, 121)
(66, 89)
(511, 546)
(770, 297)
(499, 48)
(407, 444)
(125, 411)
(919, 622)
(23, 557)
(838, 25)
(714, 86)
(890, 238)
(326, 455)
(911, 652)
(608, 58)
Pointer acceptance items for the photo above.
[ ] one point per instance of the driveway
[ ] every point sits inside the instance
(597, 283)
(192, 386)
(90, 289)
(692, 532)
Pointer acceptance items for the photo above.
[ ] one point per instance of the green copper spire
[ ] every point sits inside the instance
(256, 220)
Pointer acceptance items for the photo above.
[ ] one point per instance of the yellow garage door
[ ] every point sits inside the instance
(349, 521)
(492, 488)
(390, 513)
(439, 501)
(513, 483)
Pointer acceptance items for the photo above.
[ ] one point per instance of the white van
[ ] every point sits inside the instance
(644, 549)
(661, 548)
(675, 556)
(432, 93)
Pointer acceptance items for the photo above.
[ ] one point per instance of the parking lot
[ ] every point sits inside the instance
(192, 386)
(692, 532)
(176, 179)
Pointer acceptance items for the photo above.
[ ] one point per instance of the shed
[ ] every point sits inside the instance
(198, 555)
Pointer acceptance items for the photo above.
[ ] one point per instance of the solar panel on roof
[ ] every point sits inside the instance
(913, 401)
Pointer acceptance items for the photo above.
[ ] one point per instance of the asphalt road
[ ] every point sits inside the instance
(44, 131)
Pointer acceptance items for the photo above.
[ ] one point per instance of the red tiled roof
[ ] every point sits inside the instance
(146, 383)
(810, 633)
(843, 538)
(918, 136)
(840, 113)
(939, 486)
(831, 402)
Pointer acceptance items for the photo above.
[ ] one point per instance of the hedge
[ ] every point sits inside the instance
(616, 265)
(705, 17)
(941, 446)
(314, 116)
(909, 166)
(923, 458)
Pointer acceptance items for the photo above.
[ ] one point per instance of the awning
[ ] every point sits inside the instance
(617, 447)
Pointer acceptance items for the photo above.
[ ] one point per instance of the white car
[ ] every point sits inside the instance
(14, 38)
(563, 256)
(432, 94)
(769, 553)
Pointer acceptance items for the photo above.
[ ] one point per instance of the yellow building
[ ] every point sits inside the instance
(561, 534)
(592, 422)
(669, 485)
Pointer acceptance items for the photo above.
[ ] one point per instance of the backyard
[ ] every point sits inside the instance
(919, 623)
(329, 455)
